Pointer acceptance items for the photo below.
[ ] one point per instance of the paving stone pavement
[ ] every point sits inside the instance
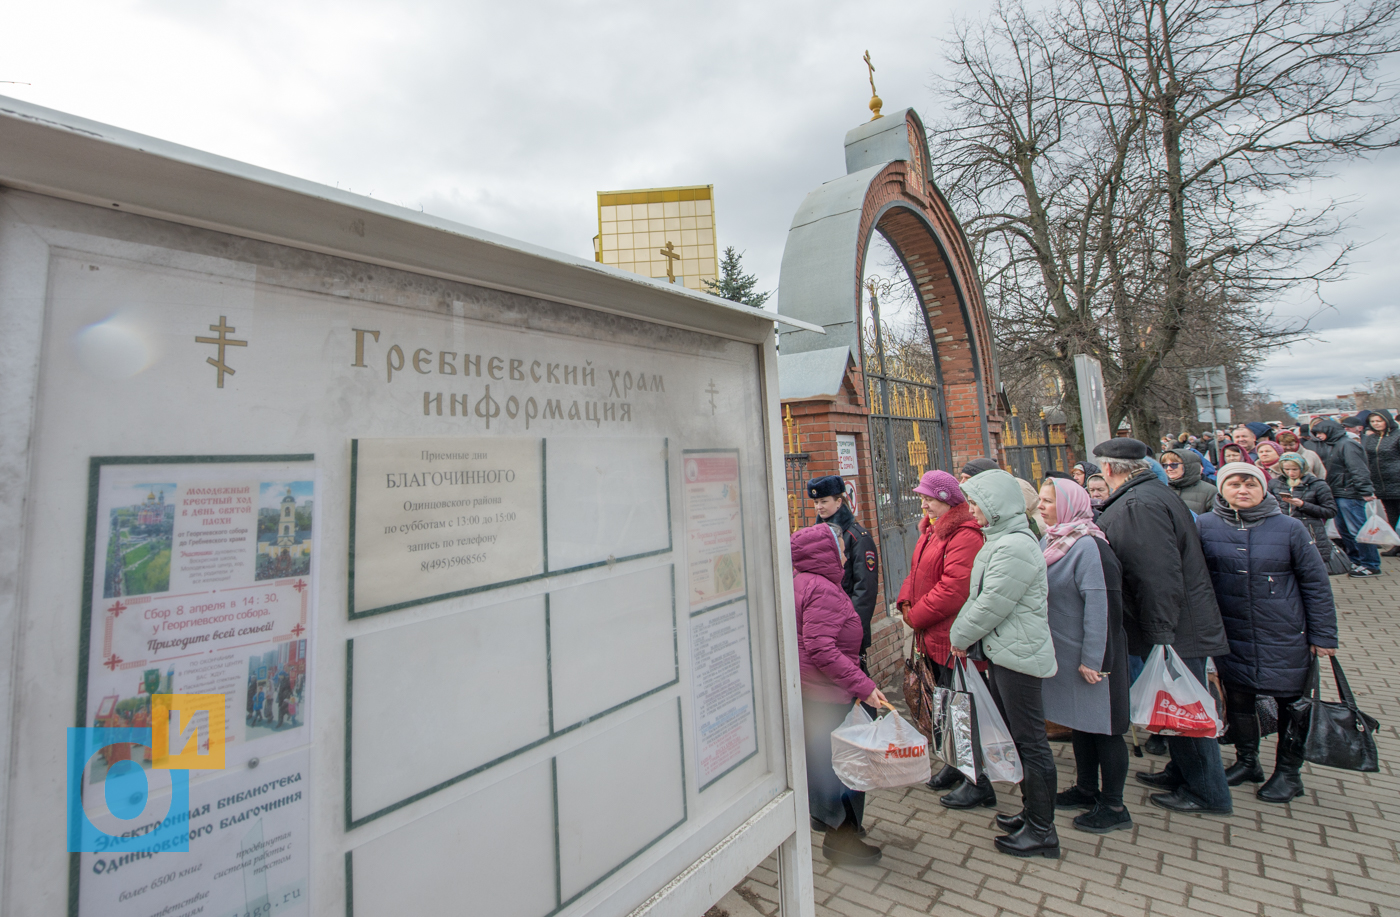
(1334, 851)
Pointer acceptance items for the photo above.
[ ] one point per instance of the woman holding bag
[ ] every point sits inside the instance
(829, 635)
(1278, 613)
(937, 585)
(1006, 613)
(1089, 692)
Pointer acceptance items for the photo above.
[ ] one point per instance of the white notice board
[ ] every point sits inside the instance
(479, 553)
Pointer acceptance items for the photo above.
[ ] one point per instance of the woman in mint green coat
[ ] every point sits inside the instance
(1006, 611)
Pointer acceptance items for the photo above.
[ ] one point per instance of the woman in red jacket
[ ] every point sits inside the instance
(937, 585)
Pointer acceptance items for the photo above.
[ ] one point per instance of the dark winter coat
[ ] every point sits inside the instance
(1347, 473)
(861, 579)
(938, 580)
(1318, 506)
(1382, 455)
(1191, 487)
(1274, 596)
(828, 630)
(1167, 599)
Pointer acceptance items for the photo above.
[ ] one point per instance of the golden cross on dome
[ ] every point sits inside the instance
(875, 103)
(223, 340)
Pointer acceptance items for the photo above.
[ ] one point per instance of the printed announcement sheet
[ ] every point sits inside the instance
(721, 673)
(722, 688)
(714, 526)
(438, 517)
(203, 583)
(248, 852)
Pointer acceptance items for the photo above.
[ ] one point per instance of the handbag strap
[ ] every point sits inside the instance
(1315, 679)
(1343, 689)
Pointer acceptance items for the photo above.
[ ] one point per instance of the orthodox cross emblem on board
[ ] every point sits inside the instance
(224, 329)
(712, 392)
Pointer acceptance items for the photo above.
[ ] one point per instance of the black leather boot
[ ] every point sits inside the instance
(946, 779)
(1286, 783)
(972, 795)
(1036, 836)
(1246, 768)
(1011, 823)
(1244, 732)
(843, 846)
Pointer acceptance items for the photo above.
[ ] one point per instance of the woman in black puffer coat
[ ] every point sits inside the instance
(1278, 613)
(1305, 498)
(1381, 443)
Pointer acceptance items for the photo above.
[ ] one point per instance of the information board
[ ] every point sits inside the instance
(477, 546)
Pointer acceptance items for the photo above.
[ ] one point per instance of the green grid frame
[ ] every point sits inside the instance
(544, 530)
(560, 903)
(351, 822)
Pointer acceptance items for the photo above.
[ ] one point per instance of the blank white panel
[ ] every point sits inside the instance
(610, 642)
(490, 853)
(618, 792)
(607, 498)
(434, 699)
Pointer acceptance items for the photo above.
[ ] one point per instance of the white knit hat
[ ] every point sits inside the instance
(1233, 468)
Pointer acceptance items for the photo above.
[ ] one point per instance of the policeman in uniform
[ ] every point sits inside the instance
(862, 578)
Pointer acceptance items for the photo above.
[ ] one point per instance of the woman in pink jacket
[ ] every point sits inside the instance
(828, 649)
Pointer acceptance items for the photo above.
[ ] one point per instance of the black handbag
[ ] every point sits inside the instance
(1334, 734)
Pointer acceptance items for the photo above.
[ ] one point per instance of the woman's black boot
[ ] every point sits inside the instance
(843, 846)
(972, 795)
(946, 779)
(1245, 731)
(1036, 836)
(1286, 783)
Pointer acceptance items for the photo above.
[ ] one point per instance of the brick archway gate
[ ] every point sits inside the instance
(946, 420)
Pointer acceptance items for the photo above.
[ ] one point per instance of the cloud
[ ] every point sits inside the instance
(510, 117)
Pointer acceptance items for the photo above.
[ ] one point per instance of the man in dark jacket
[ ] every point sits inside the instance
(1350, 481)
(1167, 601)
(862, 578)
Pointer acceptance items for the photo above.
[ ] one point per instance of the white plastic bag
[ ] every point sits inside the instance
(1330, 530)
(1377, 530)
(881, 754)
(1167, 699)
(999, 762)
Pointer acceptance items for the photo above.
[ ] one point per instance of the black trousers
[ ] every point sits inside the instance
(1094, 753)
(1244, 723)
(1018, 697)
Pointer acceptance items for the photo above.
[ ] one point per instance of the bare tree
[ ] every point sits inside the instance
(1128, 167)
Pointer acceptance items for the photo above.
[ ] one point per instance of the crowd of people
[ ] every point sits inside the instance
(1217, 547)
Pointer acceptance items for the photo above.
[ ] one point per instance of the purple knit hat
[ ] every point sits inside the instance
(941, 486)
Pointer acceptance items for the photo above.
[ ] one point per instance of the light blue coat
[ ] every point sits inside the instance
(1006, 608)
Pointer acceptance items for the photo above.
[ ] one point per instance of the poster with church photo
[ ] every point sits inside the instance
(203, 582)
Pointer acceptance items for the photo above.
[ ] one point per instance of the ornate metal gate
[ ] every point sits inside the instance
(907, 438)
(1033, 448)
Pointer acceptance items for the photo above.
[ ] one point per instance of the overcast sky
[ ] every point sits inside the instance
(511, 116)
